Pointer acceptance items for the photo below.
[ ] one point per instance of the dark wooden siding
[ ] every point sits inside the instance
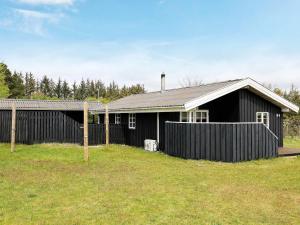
(145, 127)
(223, 109)
(250, 103)
(220, 141)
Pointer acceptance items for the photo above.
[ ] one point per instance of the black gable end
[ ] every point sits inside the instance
(250, 103)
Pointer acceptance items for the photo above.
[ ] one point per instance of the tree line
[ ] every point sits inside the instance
(26, 86)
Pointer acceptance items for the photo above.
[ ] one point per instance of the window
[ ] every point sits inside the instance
(184, 117)
(117, 118)
(195, 116)
(131, 121)
(201, 116)
(263, 117)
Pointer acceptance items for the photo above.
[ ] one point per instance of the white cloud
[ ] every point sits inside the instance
(30, 21)
(36, 15)
(47, 2)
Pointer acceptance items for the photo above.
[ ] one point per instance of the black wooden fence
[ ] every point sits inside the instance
(54, 127)
(227, 142)
(40, 127)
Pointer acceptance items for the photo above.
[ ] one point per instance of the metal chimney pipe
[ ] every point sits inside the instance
(163, 82)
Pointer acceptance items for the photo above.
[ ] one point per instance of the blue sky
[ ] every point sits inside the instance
(133, 41)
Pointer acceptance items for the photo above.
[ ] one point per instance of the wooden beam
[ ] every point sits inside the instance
(86, 131)
(13, 127)
(106, 125)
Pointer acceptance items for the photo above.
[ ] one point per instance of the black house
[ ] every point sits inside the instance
(233, 102)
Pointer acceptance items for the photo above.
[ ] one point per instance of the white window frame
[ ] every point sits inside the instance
(132, 121)
(117, 118)
(188, 116)
(262, 118)
(192, 115)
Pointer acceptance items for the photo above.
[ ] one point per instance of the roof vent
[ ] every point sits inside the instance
(163, 82)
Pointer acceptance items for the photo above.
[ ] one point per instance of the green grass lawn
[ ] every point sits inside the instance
(50, 184)
(292, 142)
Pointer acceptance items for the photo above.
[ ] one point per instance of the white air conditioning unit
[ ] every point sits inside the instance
(150, 145)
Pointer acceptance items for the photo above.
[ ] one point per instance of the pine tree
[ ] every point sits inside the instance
(26, 81)
(88, 88)
(74, 90)
(100, 89)
(124, 91)
(58, 89)
(81, 91)
(45, 86)
(92, 91)
(52, 86)
(112, 91)
(31, 85)
(66, 92)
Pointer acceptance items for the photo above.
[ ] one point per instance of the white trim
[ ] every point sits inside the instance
(262, 118)
(192, 115)
(283, 103)
(130, 126)
(117, 115)
(218, 122)
(144, 110)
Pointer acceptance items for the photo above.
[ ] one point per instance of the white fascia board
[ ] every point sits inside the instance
(231, 88)
(143, 110)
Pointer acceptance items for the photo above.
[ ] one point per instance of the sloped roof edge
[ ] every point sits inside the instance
(248, 82)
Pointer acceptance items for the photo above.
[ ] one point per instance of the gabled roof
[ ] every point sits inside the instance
(183, 99)
(57, 105)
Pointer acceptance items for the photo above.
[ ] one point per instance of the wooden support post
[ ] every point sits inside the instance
(13, 127)
(86, 131)
(106, 125)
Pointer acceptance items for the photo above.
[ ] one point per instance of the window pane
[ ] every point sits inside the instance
(198, 117)
(132, 121)
(258, 116)
(184, 117)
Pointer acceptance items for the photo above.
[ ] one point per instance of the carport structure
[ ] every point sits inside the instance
(44, 121)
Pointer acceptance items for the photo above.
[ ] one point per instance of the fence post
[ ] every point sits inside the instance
(13, 127)
(86, 131)
(106, 125)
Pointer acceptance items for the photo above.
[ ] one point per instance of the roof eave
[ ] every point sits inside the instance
(178, 108)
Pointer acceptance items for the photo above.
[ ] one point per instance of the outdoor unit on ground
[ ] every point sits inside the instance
(150, 145)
